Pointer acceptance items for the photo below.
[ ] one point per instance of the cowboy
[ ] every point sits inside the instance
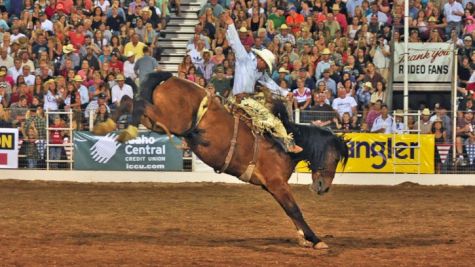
(250, 68)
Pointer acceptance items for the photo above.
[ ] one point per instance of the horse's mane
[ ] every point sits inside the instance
(314, 140)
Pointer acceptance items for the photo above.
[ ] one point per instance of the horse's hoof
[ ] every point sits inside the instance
(128, 134)
(104, 128)
(321, 245)
(305, 243)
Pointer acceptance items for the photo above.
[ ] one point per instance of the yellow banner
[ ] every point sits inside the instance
(403, 153)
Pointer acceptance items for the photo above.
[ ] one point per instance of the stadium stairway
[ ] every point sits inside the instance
(179, 31)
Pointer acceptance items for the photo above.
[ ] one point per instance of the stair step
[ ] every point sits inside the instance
(174, 51)
(188, 8)
(187, 15)
(180, 29)
(180, 23)
(173, 61)
(168, 44)
(196, 4)
(178, 36)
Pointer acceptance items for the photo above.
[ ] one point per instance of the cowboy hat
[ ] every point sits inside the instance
(243, 29)
(78, 78)
(129, 54)
(326, 51)
(368, 84)
(426, 112)
(267, 56)
(284, 27)
(50, 81)
(120, 77)
(68, 49)
(283, 70)
(336, 7)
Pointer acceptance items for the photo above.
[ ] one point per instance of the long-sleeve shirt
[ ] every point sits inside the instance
(246, 73)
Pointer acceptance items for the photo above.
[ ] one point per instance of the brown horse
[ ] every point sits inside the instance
(178, 109)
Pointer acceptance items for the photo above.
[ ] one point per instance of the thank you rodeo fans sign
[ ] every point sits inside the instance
(373, 153)
(148, 152)
(8, 148)
(428, 62)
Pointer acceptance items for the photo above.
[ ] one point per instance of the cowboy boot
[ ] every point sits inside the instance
(104, 128)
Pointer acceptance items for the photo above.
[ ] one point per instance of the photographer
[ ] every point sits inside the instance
(380, 53)
(465, 134)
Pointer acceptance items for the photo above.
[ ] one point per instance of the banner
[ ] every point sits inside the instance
(9, 148)
(148, 152)
(374, 153)
(428, 62)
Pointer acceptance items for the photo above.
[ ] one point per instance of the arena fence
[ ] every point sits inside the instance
(35, 153)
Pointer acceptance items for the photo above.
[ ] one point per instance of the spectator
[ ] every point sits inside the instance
(135, 46)
(323, 64)
(83, 91)
(329, 82)
(453, 12)
(424, 124)
(364, 94)
(465, 132)
(102, 114)
(129, 66)
(214, 5)
(30, 141)
(145, 65)
(120, 90)
(324, 115)
(221, 84)
(344, 103)
(373, 113)
(294, 20)
(302, 95)
(384, 122)
(206, 67)
(346, 124)
(56, 138)
(284, 36)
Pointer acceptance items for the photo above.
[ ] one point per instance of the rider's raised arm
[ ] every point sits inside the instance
(233, 39)
(267, 81)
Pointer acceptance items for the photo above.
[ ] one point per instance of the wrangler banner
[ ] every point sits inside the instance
(373, 153)
(9, 148)
(148, 152)
(428, 62)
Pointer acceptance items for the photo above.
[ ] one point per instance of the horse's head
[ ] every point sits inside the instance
(336, 152)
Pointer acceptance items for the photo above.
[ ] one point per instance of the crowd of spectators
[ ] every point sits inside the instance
(80, 56)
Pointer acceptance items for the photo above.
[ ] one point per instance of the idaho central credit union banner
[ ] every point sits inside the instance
(8, 148)
(428, 62)
(375, 153)
(148, 152)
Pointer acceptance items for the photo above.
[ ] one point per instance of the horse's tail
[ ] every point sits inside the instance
(147, 87)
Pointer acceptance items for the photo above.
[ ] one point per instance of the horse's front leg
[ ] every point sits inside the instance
(281, 192)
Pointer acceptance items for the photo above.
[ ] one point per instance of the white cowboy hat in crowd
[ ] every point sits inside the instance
(68, 49)
(267, 56)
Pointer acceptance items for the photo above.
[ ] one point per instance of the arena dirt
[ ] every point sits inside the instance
(203, 224)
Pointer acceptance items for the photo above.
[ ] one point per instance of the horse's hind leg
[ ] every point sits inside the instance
(281, 192)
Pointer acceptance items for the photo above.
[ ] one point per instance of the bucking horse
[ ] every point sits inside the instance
(223, 140)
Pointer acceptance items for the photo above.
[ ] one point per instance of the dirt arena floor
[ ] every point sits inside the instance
(203, 224)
